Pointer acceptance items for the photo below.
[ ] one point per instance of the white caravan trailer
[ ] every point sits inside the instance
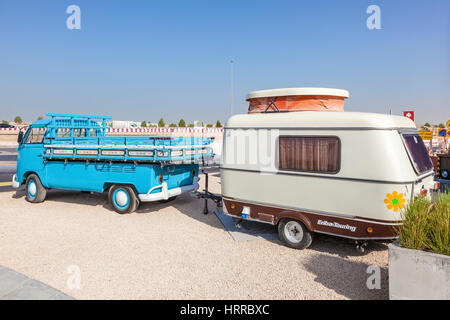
(346, 174)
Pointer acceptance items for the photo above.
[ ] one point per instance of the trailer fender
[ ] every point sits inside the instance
(294, 215)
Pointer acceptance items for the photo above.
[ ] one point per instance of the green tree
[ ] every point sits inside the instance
(427, 125)
(4, 121)
(441, 125)
(218, 124)
(161, 123)
(182, 123)
(190, 125)
(40, 118)
(144, 124)
(209, 125)
(18, 120)
(172, 125)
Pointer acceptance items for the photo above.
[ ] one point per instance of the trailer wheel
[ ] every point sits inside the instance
(123, 198)
(294, 234)
(444, 174)
(35, 191)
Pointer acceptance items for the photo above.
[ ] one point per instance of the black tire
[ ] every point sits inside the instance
(35, 191)
(444, 174)
(123, 198)
(168, 200)
(294, 234)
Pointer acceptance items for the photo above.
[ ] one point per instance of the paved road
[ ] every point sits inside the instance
(8, 158)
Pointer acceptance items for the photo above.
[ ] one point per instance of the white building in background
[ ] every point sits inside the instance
(122, 124)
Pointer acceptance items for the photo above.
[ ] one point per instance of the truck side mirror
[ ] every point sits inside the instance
(20, 137)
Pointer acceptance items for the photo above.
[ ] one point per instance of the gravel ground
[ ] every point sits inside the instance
(171, 251)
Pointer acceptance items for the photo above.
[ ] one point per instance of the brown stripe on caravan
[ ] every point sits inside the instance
(355, 228)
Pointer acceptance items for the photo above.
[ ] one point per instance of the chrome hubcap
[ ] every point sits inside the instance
(32, 188)
(121, 198)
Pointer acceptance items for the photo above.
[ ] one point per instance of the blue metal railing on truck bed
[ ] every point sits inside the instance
(79, 137)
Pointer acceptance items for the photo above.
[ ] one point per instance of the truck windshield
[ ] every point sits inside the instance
(36, 135)
(417, 152)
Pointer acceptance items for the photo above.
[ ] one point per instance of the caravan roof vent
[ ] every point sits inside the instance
(297, 99)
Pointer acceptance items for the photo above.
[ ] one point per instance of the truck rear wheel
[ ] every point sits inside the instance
(35, 191)
(123, 198)
(294, 234)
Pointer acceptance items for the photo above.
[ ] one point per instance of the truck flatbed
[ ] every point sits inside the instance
(74, 138)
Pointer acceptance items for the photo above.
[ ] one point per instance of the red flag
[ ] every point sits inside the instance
(409, 114)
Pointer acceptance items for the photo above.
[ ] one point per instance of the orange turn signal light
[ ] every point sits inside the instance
(369, 230)
(232, 206)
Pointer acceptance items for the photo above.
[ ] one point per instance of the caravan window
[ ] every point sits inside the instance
(417, 152)
(313, 154)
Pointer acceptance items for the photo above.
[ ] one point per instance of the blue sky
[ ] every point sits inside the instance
(142, 60)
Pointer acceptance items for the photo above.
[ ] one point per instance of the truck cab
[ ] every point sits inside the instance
(30, 152)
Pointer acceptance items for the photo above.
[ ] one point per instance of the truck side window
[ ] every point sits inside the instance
(310, 154)
(36, 135)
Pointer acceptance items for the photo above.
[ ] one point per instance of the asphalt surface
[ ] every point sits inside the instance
(8, 158)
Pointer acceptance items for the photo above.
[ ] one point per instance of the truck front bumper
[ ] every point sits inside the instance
(167, 193)
(15, 183)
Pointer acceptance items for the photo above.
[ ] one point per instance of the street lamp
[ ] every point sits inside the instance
(232, 84)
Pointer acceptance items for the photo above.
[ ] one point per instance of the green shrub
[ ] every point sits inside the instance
(426, 225)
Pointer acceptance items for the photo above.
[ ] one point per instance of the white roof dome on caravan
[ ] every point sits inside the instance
(297, 99)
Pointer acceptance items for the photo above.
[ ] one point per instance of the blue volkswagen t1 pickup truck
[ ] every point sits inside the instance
(73, 152)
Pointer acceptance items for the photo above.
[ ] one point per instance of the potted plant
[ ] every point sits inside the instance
(419, 262)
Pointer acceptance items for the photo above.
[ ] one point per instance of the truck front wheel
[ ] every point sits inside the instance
(123, 198)
(35, 191)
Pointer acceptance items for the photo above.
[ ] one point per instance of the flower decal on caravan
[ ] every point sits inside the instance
(395, 201)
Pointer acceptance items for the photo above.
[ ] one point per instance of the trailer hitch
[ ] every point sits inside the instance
(208, 195)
